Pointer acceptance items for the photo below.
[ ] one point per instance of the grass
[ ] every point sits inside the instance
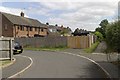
(46, 48)
(92, 48)
(5, 62)
(116, 63)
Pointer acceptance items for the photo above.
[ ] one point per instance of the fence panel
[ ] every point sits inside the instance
(56, 41)
(6, 45)
(78, 42)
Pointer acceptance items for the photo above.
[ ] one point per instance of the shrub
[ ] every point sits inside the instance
(99, 36)
(113, 36)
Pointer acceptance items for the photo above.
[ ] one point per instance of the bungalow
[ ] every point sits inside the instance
(20, 26)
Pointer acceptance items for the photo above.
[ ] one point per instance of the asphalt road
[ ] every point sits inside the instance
(18, 65)
(60, 65)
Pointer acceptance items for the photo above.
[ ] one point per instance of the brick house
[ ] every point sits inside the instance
(20, 26)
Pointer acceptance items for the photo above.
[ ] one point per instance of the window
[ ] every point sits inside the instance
(6, 27)
(50, 30)
(42, 30)
(31, 28)
(39, 29)
(35, 29)
(21, 28)
(18, 27)
(27, 28)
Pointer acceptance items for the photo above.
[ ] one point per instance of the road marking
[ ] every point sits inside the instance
(99, 53)
(24, 68)
(91, 61)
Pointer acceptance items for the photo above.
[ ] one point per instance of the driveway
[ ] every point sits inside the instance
(60, 65)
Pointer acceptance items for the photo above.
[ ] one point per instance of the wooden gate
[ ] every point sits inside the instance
(78, 42)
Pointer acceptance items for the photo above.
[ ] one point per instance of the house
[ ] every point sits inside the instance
(52, 30)
(59, 30)
(20, 26)
(65, 31)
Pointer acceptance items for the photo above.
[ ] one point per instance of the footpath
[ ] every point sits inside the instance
(101, 58)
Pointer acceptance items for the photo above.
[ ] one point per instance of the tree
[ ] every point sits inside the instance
(76, 32)
(113, 36)
(99, 29)
(103, 25)
(99, 36)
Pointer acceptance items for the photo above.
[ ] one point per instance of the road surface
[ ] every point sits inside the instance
(59, 65)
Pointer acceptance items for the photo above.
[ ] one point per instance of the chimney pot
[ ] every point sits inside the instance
(22, 14)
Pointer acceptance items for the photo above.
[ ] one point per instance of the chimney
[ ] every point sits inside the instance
(22, 14)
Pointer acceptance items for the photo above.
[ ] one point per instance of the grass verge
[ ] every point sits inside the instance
(46, 48)
(92, 48)
(117, 63)
(4, 62)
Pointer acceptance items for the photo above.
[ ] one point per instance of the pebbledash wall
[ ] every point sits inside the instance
(57, 41)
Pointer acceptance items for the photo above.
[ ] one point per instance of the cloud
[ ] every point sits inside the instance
(85, 15)
(14, 11)
(58, 1)
(39, 11)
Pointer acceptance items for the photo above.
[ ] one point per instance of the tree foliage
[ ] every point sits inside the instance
(76, 32)
(103, 25)
(99, 36)
(113, 36)
(80, 32)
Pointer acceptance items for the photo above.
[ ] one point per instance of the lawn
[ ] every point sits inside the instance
(116, 63)
(5, 62)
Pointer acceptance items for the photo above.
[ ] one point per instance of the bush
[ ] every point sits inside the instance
(99, 36)
(113, 36)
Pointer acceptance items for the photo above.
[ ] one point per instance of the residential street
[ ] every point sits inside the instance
(101, 59)
(60, 65)
(18, 65)
(66, 39)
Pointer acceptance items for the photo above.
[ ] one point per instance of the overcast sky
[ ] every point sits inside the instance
(74, 14)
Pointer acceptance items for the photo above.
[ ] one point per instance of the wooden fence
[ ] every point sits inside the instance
(80, 41)
(57, 41)
(6, 45)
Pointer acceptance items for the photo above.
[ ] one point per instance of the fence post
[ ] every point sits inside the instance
(11, 52)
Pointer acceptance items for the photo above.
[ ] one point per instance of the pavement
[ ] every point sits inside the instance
(17, 66)
(101, 47)
(101, 59)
